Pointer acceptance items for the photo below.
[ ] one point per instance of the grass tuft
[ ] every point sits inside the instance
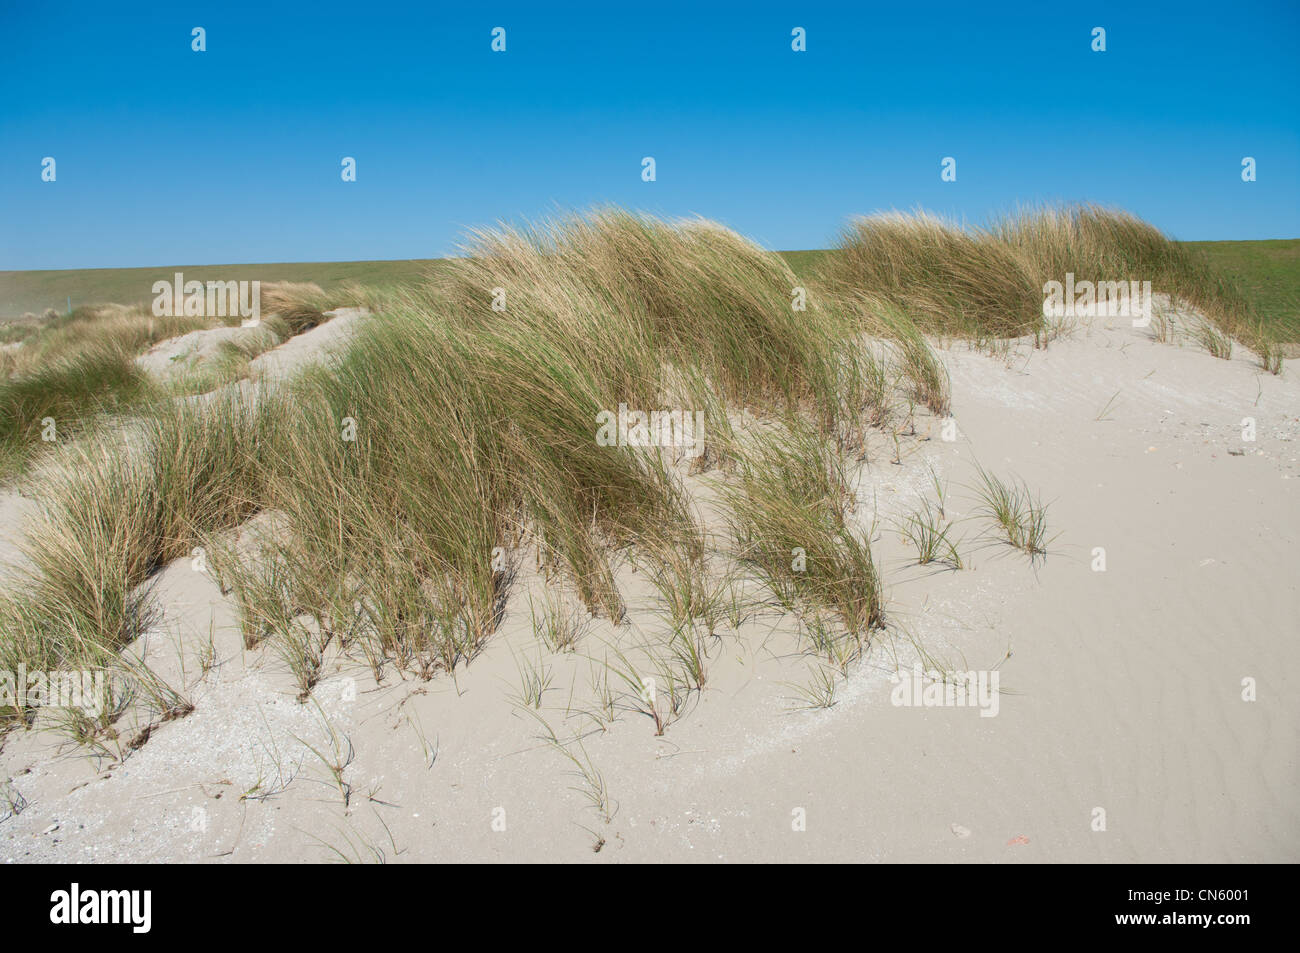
(1020, 517)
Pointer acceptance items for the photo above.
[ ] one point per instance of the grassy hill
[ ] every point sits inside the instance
(1268, 270)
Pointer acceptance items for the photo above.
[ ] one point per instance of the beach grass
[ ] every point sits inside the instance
(460, 431)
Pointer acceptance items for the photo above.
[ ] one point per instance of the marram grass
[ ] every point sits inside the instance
(455, 436)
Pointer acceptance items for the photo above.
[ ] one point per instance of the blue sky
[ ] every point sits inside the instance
(167, 156)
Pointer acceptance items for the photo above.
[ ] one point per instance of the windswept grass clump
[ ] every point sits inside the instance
(690, 592)
(301, 305)
(72, 370)
(1101, 244)
(924, 372)
(556, 624)
(1020, 517)
(789, 515)
(988, 283)
(1219, 344)
(927, 529)
(693, 295)
(948, 280)
(60, 398)
(111, 514)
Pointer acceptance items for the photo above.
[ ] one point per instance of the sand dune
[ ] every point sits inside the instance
(1121, 690)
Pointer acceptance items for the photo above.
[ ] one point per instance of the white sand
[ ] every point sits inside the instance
(1123, 691)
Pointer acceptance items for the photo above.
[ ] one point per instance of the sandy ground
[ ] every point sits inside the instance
(179, 355)
(1121, 703)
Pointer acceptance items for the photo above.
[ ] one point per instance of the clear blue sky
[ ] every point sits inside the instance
(167, 156)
